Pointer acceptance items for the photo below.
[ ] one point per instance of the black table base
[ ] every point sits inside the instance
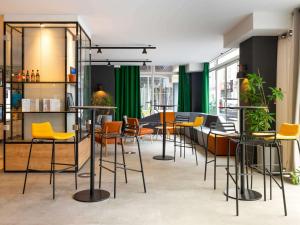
(161, 157)
(85, 195)
(248, 195)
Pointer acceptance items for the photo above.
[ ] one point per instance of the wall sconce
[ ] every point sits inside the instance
(242, 71)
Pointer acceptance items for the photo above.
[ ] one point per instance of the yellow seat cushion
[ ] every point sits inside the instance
(187, 124)
(63, 136)
(289, 130)
(45, 131)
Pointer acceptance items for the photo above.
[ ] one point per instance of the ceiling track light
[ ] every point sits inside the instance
(99, 51)
(144, 51)
(108, 63)
(144, 63)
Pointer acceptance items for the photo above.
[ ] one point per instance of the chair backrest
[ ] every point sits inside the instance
(134, 122)
(113, 127)
(181, 118)
(198, 121)
(42, 130)
(289, 129)
(225, 127)
(170, 117)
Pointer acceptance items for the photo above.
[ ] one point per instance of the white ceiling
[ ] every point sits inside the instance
(184, 31)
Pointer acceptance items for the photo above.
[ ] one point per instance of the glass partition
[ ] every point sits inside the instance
(44, 76)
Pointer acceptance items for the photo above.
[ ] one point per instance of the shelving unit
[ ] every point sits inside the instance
(53, 48)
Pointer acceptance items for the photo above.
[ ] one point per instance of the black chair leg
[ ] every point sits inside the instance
(236, 180)
(246, 165)
(75, 163)
(205, 166)
(27, 167)
(227, 170)
(184, 142)
(115, 169)
(174, 130)
(194, 145)
(281, 178)
(270, 172)
(141, 163)
(53, 171)
(298, 145)
(124, 164)
(100, 167)
(51, 165)
(264, 173)
(215, 164)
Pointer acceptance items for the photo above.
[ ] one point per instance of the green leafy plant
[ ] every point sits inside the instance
(254, 95)
(102, 98)
(295, 177)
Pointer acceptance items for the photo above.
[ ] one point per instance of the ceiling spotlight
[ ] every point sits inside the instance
(99, 51)
(108, 63)
(144, 51)
(144, 63)
(290, 33)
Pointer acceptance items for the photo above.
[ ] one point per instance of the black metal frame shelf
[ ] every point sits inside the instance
(42, 82)
(43, 112)
(81, 40)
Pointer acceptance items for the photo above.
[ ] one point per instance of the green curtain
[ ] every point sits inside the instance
(127, 92)
(204, 87)
(184, 91)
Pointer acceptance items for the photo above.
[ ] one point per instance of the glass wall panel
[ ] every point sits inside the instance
(158, 88)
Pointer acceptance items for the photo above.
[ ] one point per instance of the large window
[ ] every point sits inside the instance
(159, 85)
(224, 86)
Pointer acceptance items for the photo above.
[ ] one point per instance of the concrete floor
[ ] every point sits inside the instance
(176, 194)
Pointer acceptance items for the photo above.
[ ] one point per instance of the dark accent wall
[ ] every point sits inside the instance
(260, 54)
(195, 79)
(102, 74)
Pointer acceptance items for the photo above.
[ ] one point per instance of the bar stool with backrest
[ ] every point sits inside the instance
(142, 131)
(170, 118)
(198, 122)
(289, 132)
(264, 139)
(218, 130)
(45, 132)
(113, 130)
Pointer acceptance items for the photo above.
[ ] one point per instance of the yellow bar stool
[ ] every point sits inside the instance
(198, 122)
(289, 132)
(44, 132)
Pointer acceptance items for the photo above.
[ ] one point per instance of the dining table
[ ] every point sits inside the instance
(245, 193)
(92, 194)
(163, 156)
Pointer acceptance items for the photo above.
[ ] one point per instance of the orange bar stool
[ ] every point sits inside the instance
(113, 130)
(170, 118)
(44, 132)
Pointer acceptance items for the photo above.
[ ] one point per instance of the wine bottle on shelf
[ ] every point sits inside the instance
(23, 76)
(32, 78)
(27, 76)
(37, 76)
(19, 76)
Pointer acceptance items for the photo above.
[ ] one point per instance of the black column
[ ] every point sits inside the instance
(259, 53)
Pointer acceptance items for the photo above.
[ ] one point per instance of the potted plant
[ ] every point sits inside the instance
(253, 94)
(102, 98)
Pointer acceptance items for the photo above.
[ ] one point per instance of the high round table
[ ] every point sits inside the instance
(244, 194)
(164, 156)
(92, 194)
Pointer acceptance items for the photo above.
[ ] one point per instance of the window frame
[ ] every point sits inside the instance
(223, 65)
